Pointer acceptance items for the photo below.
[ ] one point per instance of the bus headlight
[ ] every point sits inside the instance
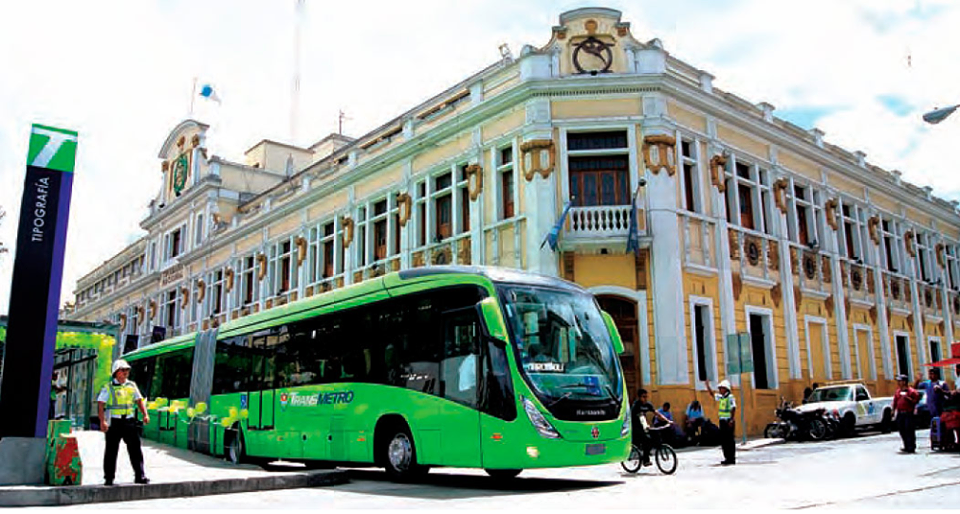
(625, 429)
(539, 422)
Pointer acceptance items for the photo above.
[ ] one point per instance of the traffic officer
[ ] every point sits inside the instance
(117, 418)
(726, 409)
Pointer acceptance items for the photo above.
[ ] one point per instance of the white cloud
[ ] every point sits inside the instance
(121, 74)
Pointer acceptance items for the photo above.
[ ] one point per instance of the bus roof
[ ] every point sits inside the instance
(380, 286)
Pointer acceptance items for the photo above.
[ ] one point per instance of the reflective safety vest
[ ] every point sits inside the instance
(726, 408)
(121, 399)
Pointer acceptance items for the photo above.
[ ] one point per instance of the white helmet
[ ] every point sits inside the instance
(725, 383)
(118, 365)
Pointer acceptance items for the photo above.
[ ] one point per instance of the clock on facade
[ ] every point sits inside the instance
(180, 173)
(592, 56)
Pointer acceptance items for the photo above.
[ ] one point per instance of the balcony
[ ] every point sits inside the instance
(755, 256)
(603, 222)
(896, 290)
(858, 282)
(812, 270)
(699, 242)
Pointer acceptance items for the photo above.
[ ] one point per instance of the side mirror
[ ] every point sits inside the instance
(614, 333)
(493, 319)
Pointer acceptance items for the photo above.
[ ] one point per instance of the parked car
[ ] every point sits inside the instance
(852, 404)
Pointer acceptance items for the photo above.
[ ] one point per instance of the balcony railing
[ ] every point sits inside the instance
(897, 291)
(812, 269)
(699, 234)
(858, 282)
(754, 255)
(603, 221)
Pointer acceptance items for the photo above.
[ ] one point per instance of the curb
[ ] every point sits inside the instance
(26, 496)
(759, 443)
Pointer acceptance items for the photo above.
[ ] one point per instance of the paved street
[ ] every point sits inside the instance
(864, 472)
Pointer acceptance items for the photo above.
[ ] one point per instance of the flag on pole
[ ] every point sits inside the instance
(207, 92)
(554, 233)
(633, 233)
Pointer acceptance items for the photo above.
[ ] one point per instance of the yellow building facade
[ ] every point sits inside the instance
(745, 223)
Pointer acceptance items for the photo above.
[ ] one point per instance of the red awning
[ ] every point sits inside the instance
(944, 363)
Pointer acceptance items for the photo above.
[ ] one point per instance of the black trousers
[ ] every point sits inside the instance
(127, 430)
(728, 441)
(907, 426)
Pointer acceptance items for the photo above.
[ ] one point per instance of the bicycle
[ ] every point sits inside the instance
(662, 453)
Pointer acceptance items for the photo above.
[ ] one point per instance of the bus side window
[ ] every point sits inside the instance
(458, 369)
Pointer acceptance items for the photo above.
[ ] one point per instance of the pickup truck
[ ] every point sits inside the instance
(852, 405)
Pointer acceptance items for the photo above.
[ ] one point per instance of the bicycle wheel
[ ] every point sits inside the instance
(666, 459)
(632, 464)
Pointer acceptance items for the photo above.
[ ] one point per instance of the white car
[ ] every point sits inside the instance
(852, 404)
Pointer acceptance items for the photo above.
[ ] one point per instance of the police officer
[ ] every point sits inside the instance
(117, 418)
(726, 408)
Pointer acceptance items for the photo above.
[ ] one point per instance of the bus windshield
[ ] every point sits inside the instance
(564, 351)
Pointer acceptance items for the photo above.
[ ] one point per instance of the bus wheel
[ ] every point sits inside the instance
(401, 456)
(235, 451)
(503, 474)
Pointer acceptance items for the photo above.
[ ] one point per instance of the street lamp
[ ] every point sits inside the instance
(937, 115)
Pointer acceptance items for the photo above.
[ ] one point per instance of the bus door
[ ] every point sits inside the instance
(261, 399)
(459, 369)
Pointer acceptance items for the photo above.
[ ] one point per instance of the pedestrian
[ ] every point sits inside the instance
(904, 403)
(118, 420)
(726, 409)
(694, 420)
(935, 389)
(666, 417)
(641, 435)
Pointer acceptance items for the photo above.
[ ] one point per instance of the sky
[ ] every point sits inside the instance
(122, 74)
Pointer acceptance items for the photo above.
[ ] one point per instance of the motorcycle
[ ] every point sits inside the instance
(794, 425)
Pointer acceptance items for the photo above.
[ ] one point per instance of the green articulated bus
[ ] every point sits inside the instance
(438, 366)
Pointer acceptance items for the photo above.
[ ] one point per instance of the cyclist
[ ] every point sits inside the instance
(641, 434)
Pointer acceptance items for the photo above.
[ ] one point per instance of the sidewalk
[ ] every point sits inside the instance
(173, 473)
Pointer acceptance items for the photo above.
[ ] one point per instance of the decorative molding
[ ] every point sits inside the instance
(825, 268)
(301, 243)
(442, 256)
(404, 208)
(856, 278)
(195, 141)
(910, 241)
(533, 152)
(734, 244)
(777, 295)
(474, 181)
(201, 290)
(797, 297)
(737, 285)
(123, 322)
(873, 226)
(830, 212)
(751, 247)
(418, 259)
(718, 167)
(181, 141)
(828, 304)
(873, 314)
(666, 146)
(939, 252)
(229, 274)
(463, 251)
(262, 264)
(140, 314)
(795, 261)
(780, 194)
(773, 255)
(347, 224)
(809, 265)
(164, 166)
(184, 297)
(151, 309)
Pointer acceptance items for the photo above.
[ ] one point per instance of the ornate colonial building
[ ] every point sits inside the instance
(746, 223)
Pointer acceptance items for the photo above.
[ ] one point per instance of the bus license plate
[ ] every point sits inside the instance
(596, 449)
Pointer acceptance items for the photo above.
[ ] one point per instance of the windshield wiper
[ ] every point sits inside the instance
(586, 386)
(562, 397)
